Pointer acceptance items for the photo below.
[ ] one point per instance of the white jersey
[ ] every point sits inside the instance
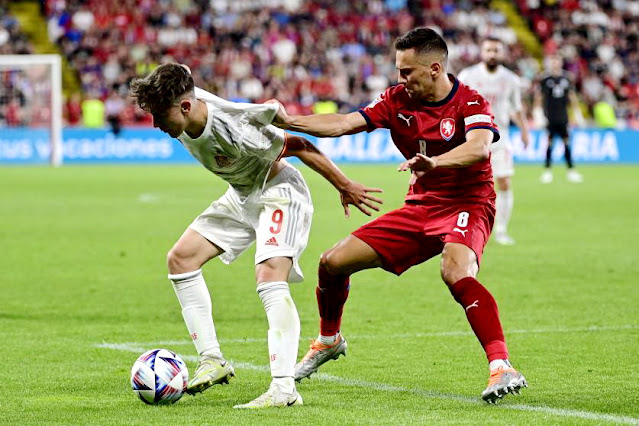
(238, 144)
(502, 88)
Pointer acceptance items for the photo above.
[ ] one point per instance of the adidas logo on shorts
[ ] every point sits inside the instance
(271, 242)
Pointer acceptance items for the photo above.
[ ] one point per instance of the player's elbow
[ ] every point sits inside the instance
(480, 141)
(297, 146)
(482, 150)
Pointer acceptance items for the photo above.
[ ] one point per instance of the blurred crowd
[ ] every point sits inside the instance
(322, 55)
(13, 98)
(599, 42)
(314, 56)
(12, 40)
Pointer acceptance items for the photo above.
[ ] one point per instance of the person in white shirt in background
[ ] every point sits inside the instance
(501, 87)
(267, 202)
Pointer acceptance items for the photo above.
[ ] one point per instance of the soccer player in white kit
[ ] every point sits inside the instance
(501, 87)
(267, 202)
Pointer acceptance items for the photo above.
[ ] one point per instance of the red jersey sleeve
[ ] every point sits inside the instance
(477, 114)
(378, 112)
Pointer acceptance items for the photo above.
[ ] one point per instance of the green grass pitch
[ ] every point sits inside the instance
(84, 292)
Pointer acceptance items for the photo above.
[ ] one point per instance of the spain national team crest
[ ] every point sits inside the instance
(447, 128)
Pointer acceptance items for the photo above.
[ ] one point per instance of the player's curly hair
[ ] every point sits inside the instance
(159, 90)
(424, 41)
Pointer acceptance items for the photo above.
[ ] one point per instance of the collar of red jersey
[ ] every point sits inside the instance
(450, 95)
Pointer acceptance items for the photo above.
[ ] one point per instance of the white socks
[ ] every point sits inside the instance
(504, 206)
(327, 340)
(283, 321)
(283, 333)
(195, 300)
(499, 363)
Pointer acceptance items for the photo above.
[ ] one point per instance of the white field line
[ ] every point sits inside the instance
(592, 328)
(140, 348)
(148, 197)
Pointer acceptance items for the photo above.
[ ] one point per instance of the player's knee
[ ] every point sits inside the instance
(451, 271)
(503, 184)
(179, 262)
(330, 262)
(449, 276)
(458, 261)
(273, 269)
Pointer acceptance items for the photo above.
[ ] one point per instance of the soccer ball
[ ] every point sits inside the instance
(159, 376)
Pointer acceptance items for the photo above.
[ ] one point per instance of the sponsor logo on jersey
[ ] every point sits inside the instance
(473, 103)
(475, 304)
(271, 242)
(447, 128)
(461, 231)
(405, 118)
(223, 161)
(477, 118)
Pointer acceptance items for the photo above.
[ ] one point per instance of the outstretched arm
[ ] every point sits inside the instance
(351, 192)
(322, 125)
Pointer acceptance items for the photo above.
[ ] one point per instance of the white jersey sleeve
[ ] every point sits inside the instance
(515, 94)
(238, 143)
(501, 88)
(258, 113)
(253, 121)
(463, 77)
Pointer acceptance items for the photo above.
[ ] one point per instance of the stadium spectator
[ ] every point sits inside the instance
(93, 112)
(73, 109)
(113, 108)
(604, 115)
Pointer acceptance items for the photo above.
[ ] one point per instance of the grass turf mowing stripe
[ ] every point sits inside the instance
(560, 412)
(592, 328)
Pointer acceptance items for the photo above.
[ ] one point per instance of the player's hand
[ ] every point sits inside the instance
(359, 195)
(281, 118)
(414, 176)
(419, 163)
(525, 138)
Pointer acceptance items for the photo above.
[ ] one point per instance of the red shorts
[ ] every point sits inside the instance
(416, 232)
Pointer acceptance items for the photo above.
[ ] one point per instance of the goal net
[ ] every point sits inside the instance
(30, 109)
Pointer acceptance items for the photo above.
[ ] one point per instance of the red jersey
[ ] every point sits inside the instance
(433, 128)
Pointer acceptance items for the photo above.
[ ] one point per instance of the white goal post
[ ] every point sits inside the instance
(39, 85)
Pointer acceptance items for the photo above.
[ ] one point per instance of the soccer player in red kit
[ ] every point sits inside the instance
(444, 129)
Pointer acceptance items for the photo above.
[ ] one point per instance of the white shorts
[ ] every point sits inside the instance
(279, 221)
(501, 159)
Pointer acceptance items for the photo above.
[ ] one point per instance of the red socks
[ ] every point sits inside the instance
(331, 292)
(483, 316)
(479, 304)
